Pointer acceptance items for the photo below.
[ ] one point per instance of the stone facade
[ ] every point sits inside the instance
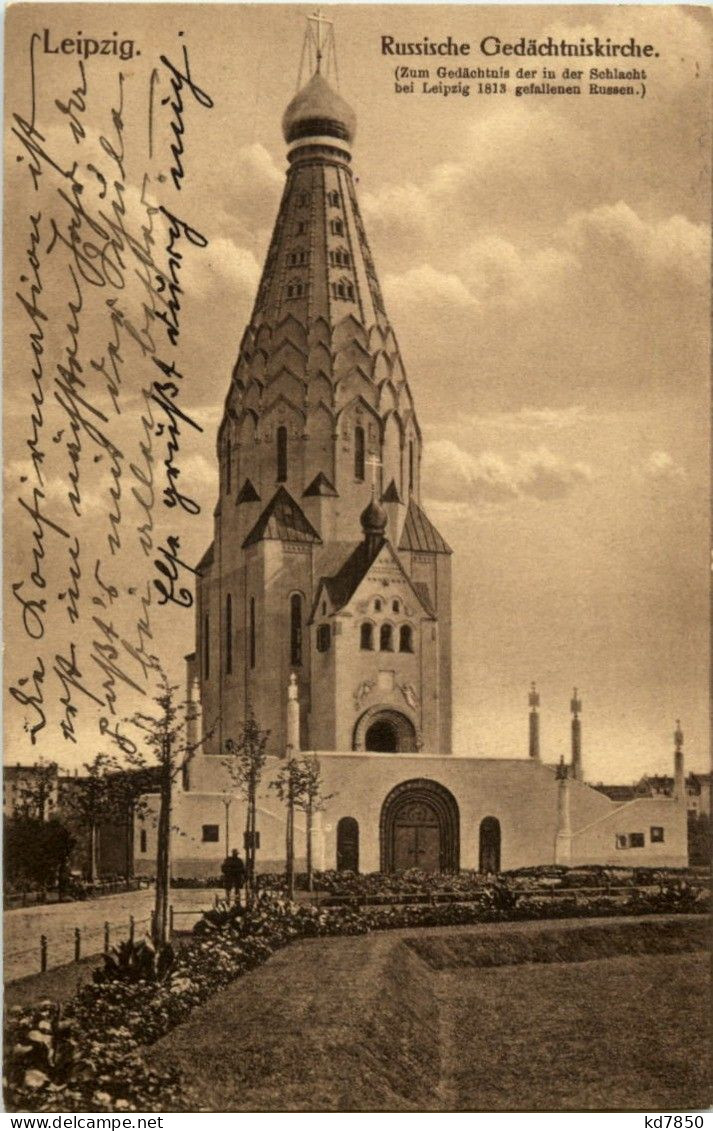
(326, 575)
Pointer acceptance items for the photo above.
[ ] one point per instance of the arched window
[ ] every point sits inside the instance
(206, 647)
(405, 638)
(228, 634)
(378, 604)
(296, 630)
(386, 638)
(367, 636)
(324, 637)
(410, 465)
(281, 454)
(251, 632)
(142, 840)
(359, 453)
(396, 606)
(347, 844)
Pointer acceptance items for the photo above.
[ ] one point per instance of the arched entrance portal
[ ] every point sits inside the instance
(489, 848)
(420, 828)
(384, 731)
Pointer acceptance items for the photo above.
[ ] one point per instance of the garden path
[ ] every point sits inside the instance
(57, 921)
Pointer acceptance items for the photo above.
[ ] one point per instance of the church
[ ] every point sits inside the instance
(323, 603)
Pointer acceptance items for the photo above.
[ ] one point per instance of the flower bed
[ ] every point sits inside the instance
(89, 1057)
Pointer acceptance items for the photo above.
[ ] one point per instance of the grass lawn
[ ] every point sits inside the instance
(423, 1021)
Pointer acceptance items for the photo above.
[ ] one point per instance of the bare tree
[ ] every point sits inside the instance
(165, 737)
(245, 762)
(289, 785)
(88, 799)
(310, 799)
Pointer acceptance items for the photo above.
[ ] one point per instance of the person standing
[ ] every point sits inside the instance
(233, 869)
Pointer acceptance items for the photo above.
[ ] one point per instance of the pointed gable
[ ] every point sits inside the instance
(207, 560)
(320, 486)
(247, 493)
(391, 494)
(342, 586)
(420, 535)
(282, 521)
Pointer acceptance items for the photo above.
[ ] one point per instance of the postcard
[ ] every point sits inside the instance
(356, 419)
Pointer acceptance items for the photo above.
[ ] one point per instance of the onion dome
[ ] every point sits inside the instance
(318, 111)
(373, 518)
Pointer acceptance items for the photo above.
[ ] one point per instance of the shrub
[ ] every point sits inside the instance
(132, 961)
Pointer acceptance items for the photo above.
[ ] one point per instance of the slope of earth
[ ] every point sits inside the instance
(421, 1021)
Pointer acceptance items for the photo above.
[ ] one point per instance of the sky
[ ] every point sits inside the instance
(544, 262)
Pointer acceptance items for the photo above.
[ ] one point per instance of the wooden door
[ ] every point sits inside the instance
(417, 838)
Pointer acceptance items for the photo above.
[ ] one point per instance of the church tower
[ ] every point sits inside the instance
(323, 563)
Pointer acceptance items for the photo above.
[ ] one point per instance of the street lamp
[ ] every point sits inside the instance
(227, 801)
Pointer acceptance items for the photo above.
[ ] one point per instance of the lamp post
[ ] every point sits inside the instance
(227, 801)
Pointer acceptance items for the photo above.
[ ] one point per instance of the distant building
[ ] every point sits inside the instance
(30, 790)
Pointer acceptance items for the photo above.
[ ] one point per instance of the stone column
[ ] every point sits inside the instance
(576, 707)
(534, 746)
(563, 839)
(293, 716)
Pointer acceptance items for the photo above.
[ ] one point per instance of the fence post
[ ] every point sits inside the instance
(170, 921)
(106, 938)
(43, 953)
(152, 924)
(77, 944)
(216, 900)
(132, 928)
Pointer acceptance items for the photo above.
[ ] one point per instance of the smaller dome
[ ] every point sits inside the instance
(374, 518)
(318, 111)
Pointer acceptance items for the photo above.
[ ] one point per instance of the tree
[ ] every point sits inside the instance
(165, 736)
(310, 799)
(36, 792)
(289, 786)
(245, 762)
(89, 800)
(34, 851)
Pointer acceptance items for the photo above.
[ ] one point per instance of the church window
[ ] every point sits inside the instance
(324, 638)
(343, 289)
(302, 199)
(359, 453)
(410, 465)
(211, 834)
(251, 632)
(396, 606)
(296, 630)
(228, 634)
(367, 637)
(405, 638)
(337, 227)
(295, 290)
(206, 647)
(324, 608)
(300, 228)
(386, 638)
(340, 258)
(296, 258)
(621, 841)
(142, 841)
(657, 834)
(334, 199)
(378, 604)
(636, 840)
(186, 775)
(281, 454)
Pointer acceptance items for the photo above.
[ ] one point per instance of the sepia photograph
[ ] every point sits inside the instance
(356, 403)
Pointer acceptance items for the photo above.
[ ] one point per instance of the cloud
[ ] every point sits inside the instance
(673, 245)
(527, 418)
(425, 285)
(661, 466)
(457, 475)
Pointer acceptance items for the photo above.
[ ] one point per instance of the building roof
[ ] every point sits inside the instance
(247, 493)
(419, 533)
(320, 486)
(344, 584)
(317, 110)
(283, 521)
(391, 494)
(207, 559)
